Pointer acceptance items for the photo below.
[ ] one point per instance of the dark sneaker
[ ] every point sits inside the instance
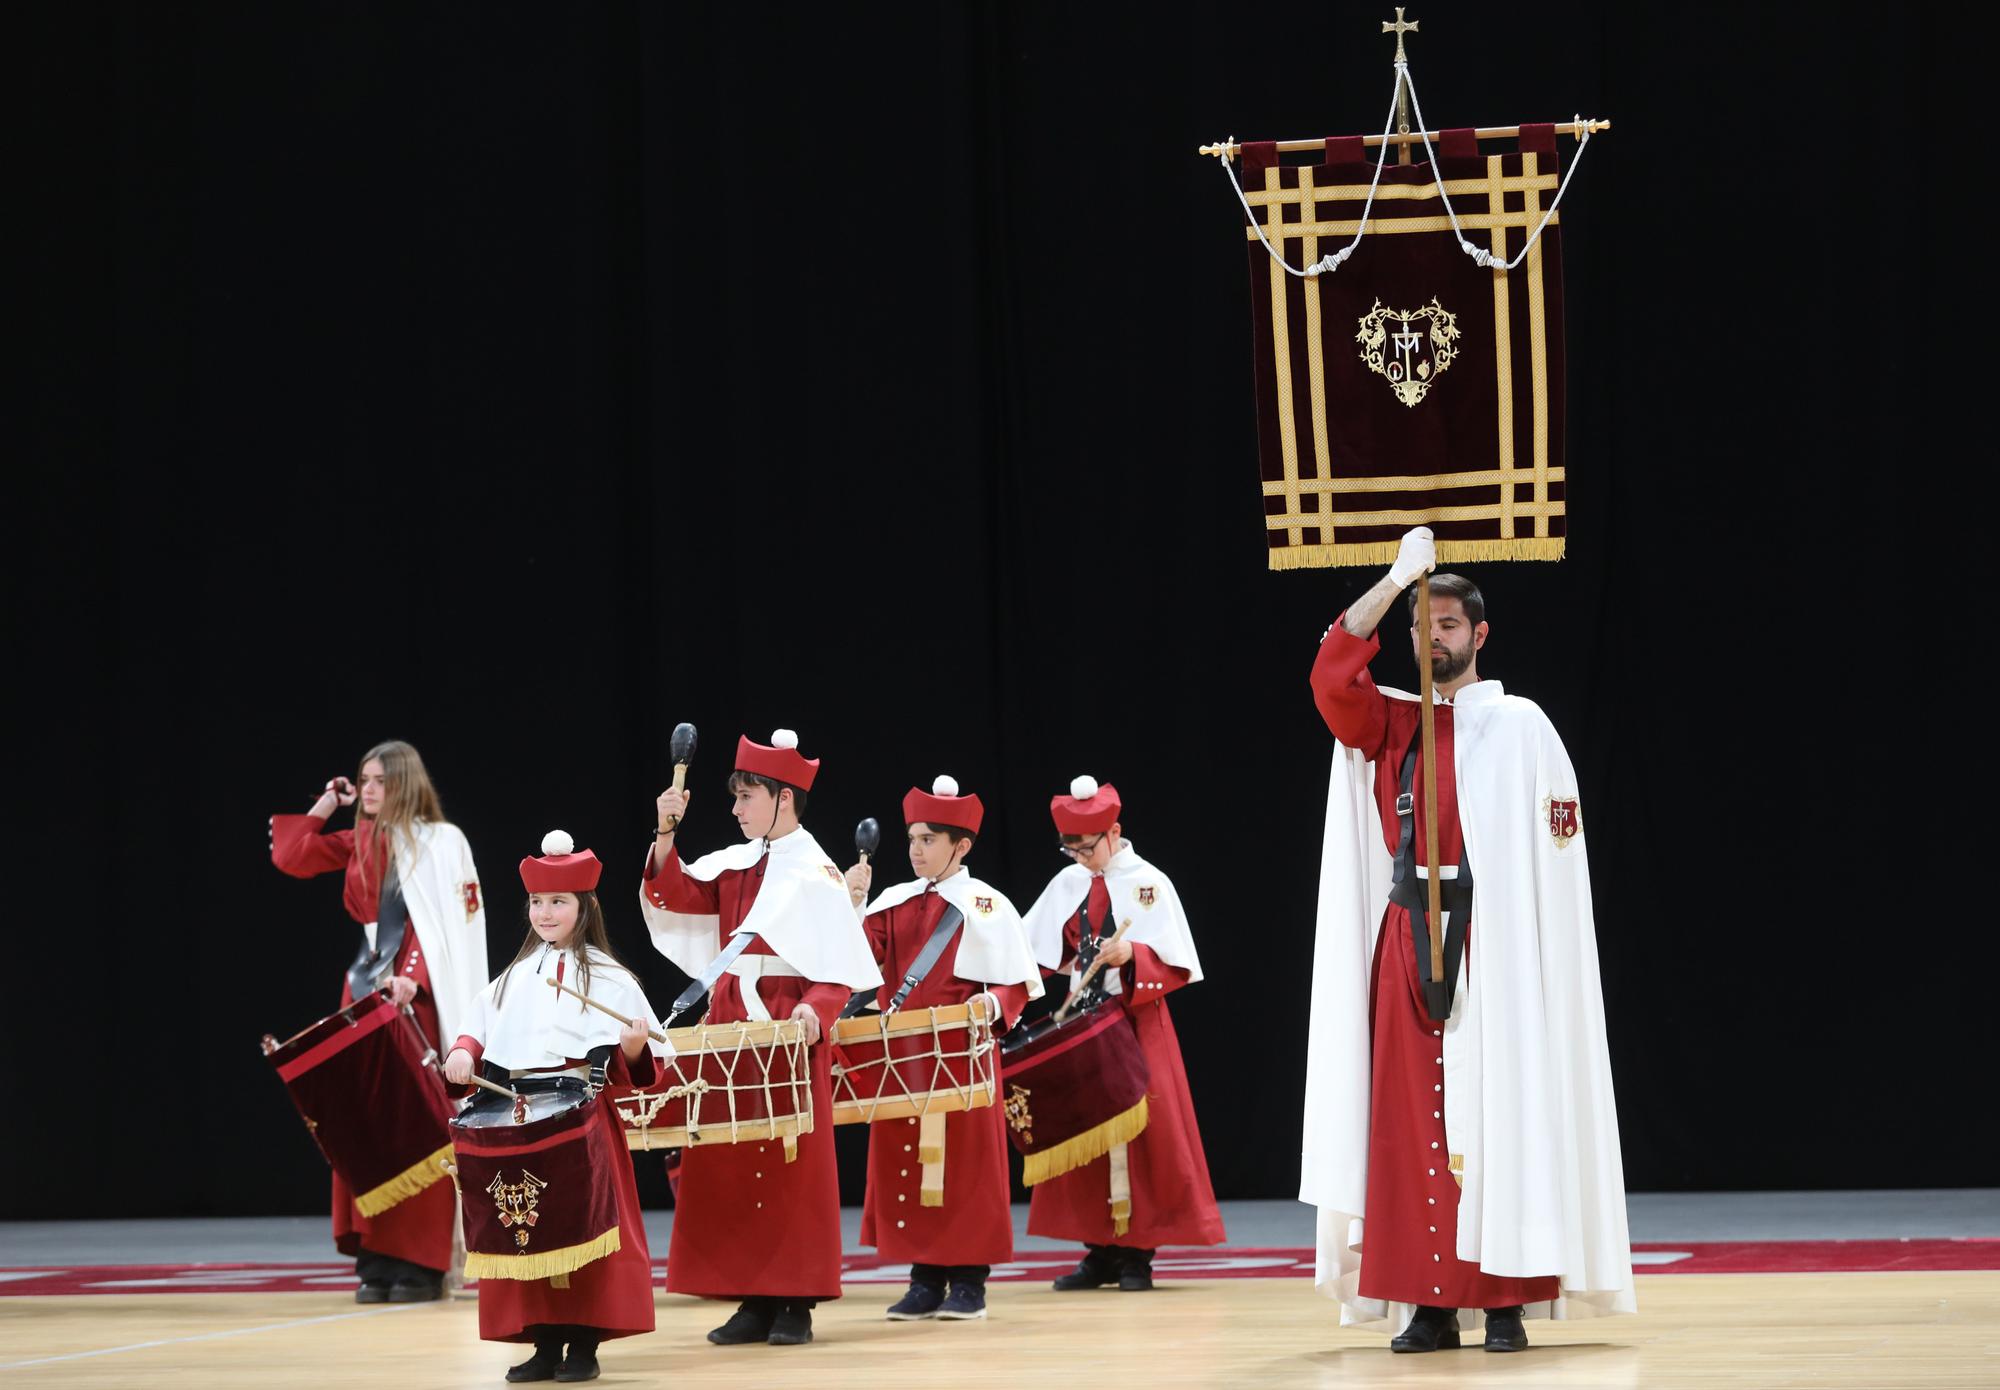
(420, 1290)
(541, 1366)
(966, 1302)
(750, 1323)
(1504, 1331)
(580, 1364)
(1430, 1329)
(919, 1303)
(372, 1291)
(1136, 1277)
(793, 1327)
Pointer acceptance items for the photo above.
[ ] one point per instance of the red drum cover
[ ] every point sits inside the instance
(1074, 1092)
(376, 1111)
(540, 1199)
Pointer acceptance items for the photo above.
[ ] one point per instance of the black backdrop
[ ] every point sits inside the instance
(521, 379)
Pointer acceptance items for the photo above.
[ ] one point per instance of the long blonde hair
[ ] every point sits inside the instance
(408, 797)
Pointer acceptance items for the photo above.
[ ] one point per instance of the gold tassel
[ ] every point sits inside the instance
(1449, 552)
(1086, 1147)
(543, 1264)
(408, 1183)
(1121, 1189)
(930, 1152)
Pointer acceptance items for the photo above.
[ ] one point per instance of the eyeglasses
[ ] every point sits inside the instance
(1080, 852)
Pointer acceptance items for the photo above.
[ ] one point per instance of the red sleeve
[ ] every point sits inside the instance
(1013, 999)
(472, 1045)
(299, 847)
(667, 886)
(827, 1002)
(1346, 695)
(623, 1073)
(876, 924)
(1148, 979)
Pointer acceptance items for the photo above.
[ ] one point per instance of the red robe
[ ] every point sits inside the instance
(1410, 1230)
(613, 1295)
(1172, 1202)
(747, 1223)
(418, 1229)
(975, 1225)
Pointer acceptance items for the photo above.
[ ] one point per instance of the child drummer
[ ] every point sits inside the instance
(524, 1035)
(774, 915)
(951, 1237)
(1105, 886)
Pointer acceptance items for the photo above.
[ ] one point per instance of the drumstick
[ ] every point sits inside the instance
(559, 985)
(483, 1084)
(1091, 974)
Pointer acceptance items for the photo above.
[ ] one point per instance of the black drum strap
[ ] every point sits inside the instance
(934, 948)
(1407, 889)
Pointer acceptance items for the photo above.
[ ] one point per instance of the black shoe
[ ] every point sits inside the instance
(1136, 1274)
(793, 1327)
(540, 1366)
(581, 1363)
(1098, 1268)
(420, 1290)
(920, 1302)
(371, 1292)
(750, 1323)
(1504, 1331)
(966, 1302)
(1431, 1329)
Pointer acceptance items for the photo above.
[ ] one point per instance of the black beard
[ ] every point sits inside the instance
(1451, 665)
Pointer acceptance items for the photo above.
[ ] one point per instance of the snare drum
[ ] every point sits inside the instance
(727, 1083)
(539, 1194)
(914, 1062)
(376, 1110)
(1075, 1092)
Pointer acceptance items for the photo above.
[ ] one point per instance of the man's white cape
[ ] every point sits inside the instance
(434, 868)
(1528, 1100)
(1140, 894)
(992, 946)
(802, 912)
(535, 1028)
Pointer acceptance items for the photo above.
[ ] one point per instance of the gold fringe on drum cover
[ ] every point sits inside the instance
(543, 1264)
(1087, 1147)
(404, 1185)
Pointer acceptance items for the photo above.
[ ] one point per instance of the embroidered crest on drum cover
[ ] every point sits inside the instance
(1564, 817)
(1018, 1118)
(516, 1203)
(1408, 348)
(1146, 896)
(985, 906)
(471, 891)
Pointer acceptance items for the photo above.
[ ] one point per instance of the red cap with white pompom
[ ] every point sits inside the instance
(1088, 809)
(942, 805)
(779, 760)
(562, 868)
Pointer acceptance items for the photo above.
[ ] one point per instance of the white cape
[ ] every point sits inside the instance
(434, 867)
(992, 945)
(802, 912)
(1528, 1100)
(535, 1028)
(1139, 893)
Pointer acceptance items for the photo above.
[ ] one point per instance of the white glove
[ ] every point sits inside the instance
(1417, 555)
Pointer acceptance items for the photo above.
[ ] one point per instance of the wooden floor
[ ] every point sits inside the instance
(1838, 1330)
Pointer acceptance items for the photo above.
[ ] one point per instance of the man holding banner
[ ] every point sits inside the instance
(1461, 1137)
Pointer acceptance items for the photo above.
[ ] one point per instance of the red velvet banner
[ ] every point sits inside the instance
(376, 1111)
(1409, 386)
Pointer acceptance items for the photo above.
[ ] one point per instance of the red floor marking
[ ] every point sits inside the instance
(864, 1273)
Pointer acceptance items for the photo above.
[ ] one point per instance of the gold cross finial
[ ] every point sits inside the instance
(1399, 28)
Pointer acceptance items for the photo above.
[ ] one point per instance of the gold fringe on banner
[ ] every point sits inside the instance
(1318, 557)
(545, 1264)
(406, 1184)
(1086, 1147)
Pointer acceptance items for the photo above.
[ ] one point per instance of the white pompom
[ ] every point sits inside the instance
(557, 842)
(1084, 787)
(784, 738)
(944, 786)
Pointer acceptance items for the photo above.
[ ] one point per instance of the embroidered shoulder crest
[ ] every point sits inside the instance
(1564, 818)
(1146, 895)
(471, 891)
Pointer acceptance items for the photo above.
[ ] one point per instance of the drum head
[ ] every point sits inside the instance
(484, 1110)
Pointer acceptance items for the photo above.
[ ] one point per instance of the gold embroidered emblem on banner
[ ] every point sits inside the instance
(1408, 348)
